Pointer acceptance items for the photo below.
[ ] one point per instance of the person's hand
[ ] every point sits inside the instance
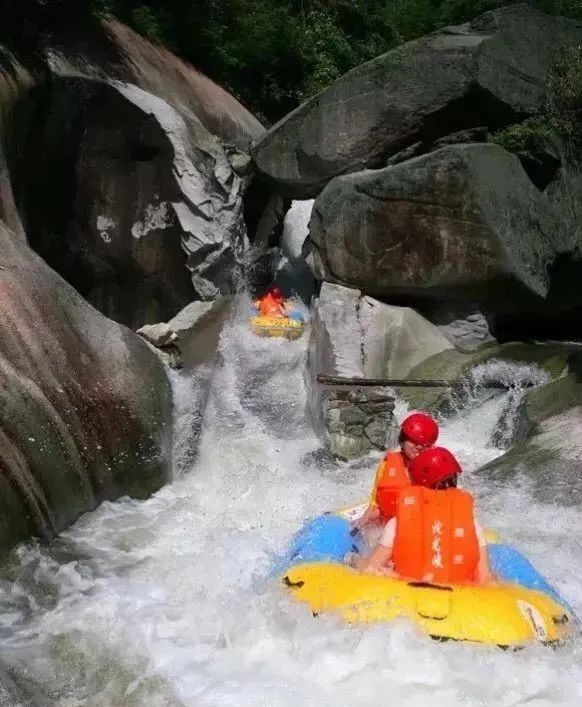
(357, 526)
(351, 559)
(370, 569)
(379, 571)
(371, 514)
(487, 580)
(388, 572)
(360, 522)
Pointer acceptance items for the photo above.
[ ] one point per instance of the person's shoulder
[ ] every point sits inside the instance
(480, 533)
(389, 533)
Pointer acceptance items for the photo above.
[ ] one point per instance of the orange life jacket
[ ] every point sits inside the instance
(391, 478)
(270, 307)
(436, 539)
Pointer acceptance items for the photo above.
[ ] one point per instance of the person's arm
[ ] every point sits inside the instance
(373, 502)
(377, 561)
(372, 512)
(484, 574)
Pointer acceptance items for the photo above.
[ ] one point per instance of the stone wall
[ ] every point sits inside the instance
(359, 337)
(358, 420)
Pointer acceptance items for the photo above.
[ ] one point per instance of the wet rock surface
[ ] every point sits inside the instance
(485, 73)
(138, 200)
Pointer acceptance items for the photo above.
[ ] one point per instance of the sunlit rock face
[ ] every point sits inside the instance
(129, 167)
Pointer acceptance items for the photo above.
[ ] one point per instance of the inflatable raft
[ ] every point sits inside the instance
(290, 327)
(521, 608)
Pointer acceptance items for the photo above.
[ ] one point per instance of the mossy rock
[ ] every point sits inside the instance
(547, 459)
(557, 396)
(455, 365)
(549, 414)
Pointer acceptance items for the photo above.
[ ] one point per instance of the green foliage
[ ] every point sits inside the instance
(464, 10)
(271, 54)
(413, 18)
(253, 46)
(563, 108)
(334, 41)
(147, 23)
(527, 139)
(561, 114)
(567, 8)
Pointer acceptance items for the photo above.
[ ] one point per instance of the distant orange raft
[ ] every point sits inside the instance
(288, 327)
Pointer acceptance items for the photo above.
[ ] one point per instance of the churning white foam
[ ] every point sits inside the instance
(168, 602)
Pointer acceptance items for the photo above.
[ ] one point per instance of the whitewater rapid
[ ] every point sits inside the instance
(170, 603)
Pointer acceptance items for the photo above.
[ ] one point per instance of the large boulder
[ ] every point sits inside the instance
(14, 79)
(190, 342)
(114, 51)
(548, 452)
(463, 324)
(513, 364)
(135, 201)
(486, 73)
(132, 203)
(335, 348)
(358, 337)
(396, 339)
(198, 327)
(335, 342)
(462, 223)
(191, 338)
(11, 694)
(85, 407)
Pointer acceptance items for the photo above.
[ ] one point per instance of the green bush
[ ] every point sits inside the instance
(464, 10)
(147, 23)
(563, 108)
(561, 114)
(527, 139)
(271, 54)
(567, 8)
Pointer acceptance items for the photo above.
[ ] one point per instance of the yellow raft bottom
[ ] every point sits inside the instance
(500, 614)
(276, 326)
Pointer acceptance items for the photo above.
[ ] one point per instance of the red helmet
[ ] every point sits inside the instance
(276, 293)
(433, 465)
(420, 428)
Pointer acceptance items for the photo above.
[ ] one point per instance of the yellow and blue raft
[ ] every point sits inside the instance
(290, 327)
(521, 608)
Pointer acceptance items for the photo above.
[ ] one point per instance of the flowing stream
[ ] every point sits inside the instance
(169, 602)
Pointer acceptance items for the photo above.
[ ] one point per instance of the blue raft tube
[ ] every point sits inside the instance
(329, 538)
